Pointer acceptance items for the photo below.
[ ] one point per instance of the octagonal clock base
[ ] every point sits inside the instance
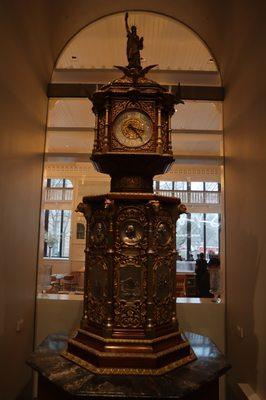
(113, 356)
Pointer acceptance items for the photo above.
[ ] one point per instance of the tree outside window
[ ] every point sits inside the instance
(57, 233)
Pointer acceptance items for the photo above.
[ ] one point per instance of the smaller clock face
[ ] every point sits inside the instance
(133, 128)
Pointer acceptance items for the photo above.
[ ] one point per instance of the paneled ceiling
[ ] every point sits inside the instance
(76, 113)
(184, 144)
(168, 43)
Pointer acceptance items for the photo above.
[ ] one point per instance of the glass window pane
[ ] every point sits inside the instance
(197, 234)
(212, 233)
(57, 183)
(57, 235)
(68, 183)
(196, 185)
(181, 236)
(211, 186)
(80, 231)
(165, 185)
(66, 233)
(180, 185)
(52, 236)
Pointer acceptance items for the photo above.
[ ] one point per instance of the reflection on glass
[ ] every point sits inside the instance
(212, 233)
(181, 237)
(211, 186)
(196, 235)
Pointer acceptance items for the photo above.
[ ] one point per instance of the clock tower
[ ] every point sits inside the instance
(129, 323)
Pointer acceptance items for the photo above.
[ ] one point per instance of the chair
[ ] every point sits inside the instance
(68, 283)
(181, 285)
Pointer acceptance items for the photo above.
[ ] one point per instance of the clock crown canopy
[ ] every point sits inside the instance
(133, 85)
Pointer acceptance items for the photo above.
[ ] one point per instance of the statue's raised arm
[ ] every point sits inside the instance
(126, 22)
(134, 45)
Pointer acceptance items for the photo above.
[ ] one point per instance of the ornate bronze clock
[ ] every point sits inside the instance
(129, 323)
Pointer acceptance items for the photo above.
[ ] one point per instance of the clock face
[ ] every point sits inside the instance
(133, 128)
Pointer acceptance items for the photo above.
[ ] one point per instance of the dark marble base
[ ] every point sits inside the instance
(62, 379)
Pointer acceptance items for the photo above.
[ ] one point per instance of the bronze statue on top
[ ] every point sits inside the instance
(134, 45)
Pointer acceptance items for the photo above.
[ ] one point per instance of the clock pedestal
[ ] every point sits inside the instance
(129, 324)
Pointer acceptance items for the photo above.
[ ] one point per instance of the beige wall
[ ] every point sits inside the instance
(25, 69)
(244, 66)
(34, 33)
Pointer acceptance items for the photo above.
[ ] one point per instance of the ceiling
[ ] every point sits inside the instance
(77, 113)
(168, 43)
(184, 144)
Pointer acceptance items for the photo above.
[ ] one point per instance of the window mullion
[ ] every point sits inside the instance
(61, 233)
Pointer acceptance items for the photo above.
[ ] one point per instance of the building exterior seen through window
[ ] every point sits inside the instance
(58, 190)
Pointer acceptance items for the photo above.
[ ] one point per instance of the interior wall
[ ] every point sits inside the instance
(26, 65)
(33, 38)
(243, 67)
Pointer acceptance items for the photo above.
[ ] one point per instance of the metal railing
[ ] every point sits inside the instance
(58, 194)
(192, 197)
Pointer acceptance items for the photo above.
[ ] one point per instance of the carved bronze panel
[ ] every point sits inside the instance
(164, 229)
(164, 233)
(130, 282)
(163, 295)
(98, 230)
(97, 289)
(131, 226)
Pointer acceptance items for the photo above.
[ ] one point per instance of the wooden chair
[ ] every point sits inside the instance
(68, 283)
(181, 285)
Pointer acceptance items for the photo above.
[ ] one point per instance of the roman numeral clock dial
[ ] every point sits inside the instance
(132, 128)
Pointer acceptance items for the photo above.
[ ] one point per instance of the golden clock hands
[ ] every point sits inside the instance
(136, 130)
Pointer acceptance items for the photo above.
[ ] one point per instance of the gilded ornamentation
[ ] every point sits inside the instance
(130, 314)
(131, 225)
(85, 209)
(182, 209)
(163, 289)
(164, 234)
(130, 290)
(129, 371)
(149, 108)
(101, 132)
(165, 140)
(117, 107)
(97, 289)
(98, 229)
(131, 232)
